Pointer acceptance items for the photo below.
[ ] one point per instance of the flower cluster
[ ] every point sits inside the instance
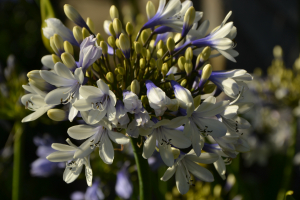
(145, 87)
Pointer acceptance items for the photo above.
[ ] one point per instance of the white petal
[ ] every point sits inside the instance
(87, 91)
(118, 138)
(168, 173)
(39, 112)
(230, 111)
(111, 111)
(103, 86)
(88, 174)
(82, 131)
(207, 104)
(106, 151)
(78, 74)
(223, 31)
(181, 182)
(95, 116)
(176, 122)
(227, 55)
(57, 96)
(56, 80)
(62, 147)
(166, 154)
(214, 128)
(82, 105)
(149, 146)
(47, 61)
(63, 71)
(195, 139)
(69, 176)
(60, 156)
(205, 158)
(200, 172)
(178, 138)
(220, 167)
(72, 112)
(213, 109)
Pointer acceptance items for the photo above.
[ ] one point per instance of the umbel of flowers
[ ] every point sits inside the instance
(143, 86)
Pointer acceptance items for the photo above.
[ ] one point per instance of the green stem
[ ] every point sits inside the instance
(18, 130)
(142, 169)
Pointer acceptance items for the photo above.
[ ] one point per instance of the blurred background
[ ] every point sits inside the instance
(268, 171)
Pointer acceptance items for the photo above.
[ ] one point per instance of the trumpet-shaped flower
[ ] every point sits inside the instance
(132, 103)
(187, 165)
(68, 86)
(97, 101)
(121, 119)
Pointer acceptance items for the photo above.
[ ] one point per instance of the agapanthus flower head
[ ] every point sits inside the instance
(149, 89)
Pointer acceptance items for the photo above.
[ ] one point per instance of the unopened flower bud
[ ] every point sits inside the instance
(121, 70)
(188, 54)
(188, 66)
(68, 47)
(150, 9)
(277, 52)
(175, 152)
(119, 77)
(183, 83)
(118, 43)
(110, 77)
(111, 29)
(117, 24)
(85, 33)
(96, 67)
(59, 43)
(164, 69)
(90, 24)
(177, 37)
(99, 38)
(152, 63)
(206, 72)
(151, 45)
(129, 28)
(148, 55)
(111, 41)
(142, 63)
(113, 12)
(74, 16)
(55, 58)
(119, 53)
(144, 36)
(188, 20)
(104, 47)
(35, 75)
(160, 45)
(135, 87)
(181, 63)
(170, 44)
(57, 114)
(197, 101)
(206, 53)
(68, 60)
(144, 100)
(144, 52)
(53, 46)
(160, 53)
(77, 34)
(138, 47)
(125, 45)
(159, 64)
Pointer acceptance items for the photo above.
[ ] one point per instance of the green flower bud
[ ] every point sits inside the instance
(111, 29)
(206, 72)
(124, 42)
(150, 9)
(90, 24)
(55, 58)
(117, 24)
(159, 64)
(188, 66)
(119, 53)
(144, 36)
(206, 53)
(57, 114)
(119, 77)
(144, 52)
(151, 45)
(188, 54)
(72, 13)
(99, 38)
(183, 83)
(96, 67)
(181, 63)
(160, 53)
(135, 87)
(104, 47)
(152, 63)
(189, 17)
(85, 33)
(59, 43)
(110, 77)
(148, 55)
(68, 47)
(114, 13)
(170, 44)
(111, 41)
(77, 34)
(118, 43)
(197, 101)
(144, 100)
(68, 60)
(142, 63)
(160, 45)
(164, 69)
(138, 48)
(129, 28)
(121, 70)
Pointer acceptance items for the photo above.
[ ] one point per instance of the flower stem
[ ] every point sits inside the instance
(18, 130)
(142, 169)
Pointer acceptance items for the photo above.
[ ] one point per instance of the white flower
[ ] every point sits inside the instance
(132, 103)
(65, 153)
(121, 120)
(35, 101)
(164, 133)
(97, 101)
(68, 86)
(99, 135)
(187, 164)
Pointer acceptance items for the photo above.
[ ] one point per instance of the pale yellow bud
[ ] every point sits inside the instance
(114, 13)
(68, 60)
(117, 24)
(165, 69)
(124, 42)
(135, 87)
(90, 24)
(152, 63)
(277, 52)
(197, 101)
(118, 43)
(170, 44)
(121, 70)
(144, 36)
(183, 82)
(173, 105)
(35, 75)
(138, 47)
(142, 63)
(148, 55)
(53, 46)
(111, 41)
(57, 114)
(175, 152)
(77, 34)
(55, 58)
(181, 63)
(159, 64)
(119, 53)
(111, 29)
(150, 9)
(68, 48)
(129, 28)
(59, 43)
(144, 52)
(189, 17)
(160, 45)
(206, 72)
(85, 33)
(99, 38)
(72, 13)
(104, 47)
(177, 37)
(119, 77)
(206, 53)
(188, 66)
(160, 53)
(110, 77)
(144, 100)
(188, 54)
(151, 45)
